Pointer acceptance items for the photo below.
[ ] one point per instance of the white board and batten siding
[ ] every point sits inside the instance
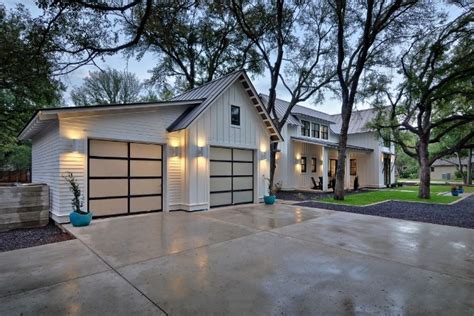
(141, 126)
(45, 162)
(214, 128)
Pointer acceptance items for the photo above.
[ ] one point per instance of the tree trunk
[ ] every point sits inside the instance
(469, 167)
(273, 151)
(425, 176)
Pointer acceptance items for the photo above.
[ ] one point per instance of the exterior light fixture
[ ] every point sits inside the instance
(263, 155)
(200, 152)
(75, 145)
(175, 151)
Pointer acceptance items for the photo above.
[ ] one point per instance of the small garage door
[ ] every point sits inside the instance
(232, 176)
(124, 178)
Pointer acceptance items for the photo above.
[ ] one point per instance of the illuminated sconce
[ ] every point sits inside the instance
(263, 155)
(75, 145)
(297, 161)
(175, 151)
(201, 151)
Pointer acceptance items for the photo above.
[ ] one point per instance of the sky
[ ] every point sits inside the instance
(141, 69)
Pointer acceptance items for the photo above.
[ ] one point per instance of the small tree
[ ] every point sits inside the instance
(77, 201)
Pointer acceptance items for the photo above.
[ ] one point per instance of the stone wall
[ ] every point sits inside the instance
(23, 206)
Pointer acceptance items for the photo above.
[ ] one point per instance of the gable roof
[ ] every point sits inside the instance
(211, 91)
(358, 122)
(280, 109)
(452, 161)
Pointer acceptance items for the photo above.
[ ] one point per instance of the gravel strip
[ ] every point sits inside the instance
(30, 237)
(460, 214)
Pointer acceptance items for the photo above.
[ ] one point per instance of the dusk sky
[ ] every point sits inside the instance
(140, 69)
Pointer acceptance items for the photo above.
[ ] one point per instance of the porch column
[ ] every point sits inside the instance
(347, 176)
(325, 167)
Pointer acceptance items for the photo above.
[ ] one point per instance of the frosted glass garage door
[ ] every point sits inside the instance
(124, 178)
(232, 176)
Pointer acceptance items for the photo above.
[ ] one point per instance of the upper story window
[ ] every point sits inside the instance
(305, 128)
(315, 130)
(386, 141)
(324, 132)
(235, 115)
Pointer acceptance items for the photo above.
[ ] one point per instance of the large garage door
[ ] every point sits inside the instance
(124, 178)
(232, 176)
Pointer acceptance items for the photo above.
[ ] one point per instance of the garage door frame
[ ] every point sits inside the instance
(128, 177)
(232, 176)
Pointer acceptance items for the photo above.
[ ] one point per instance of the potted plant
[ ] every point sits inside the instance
(454, 190)
(460, 189)
(78, 217)
(272, 190)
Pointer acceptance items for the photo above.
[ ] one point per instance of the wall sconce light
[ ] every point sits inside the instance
(263, 155)
(200, 151)
(76, 145)
(175, 151)
(297, 161)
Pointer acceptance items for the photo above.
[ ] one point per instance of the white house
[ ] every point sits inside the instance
(309, 151)
(205, 148)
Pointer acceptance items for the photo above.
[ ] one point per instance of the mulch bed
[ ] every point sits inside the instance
(30, 237)
(460, 214)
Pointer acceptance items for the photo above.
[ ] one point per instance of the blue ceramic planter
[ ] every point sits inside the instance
(269, 199)
(455, 193)
(461, 190)
(78, 220)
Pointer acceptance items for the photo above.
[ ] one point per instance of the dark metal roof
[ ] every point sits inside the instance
(452, 161)
(280, 109)
(328, 143)
(211, 91)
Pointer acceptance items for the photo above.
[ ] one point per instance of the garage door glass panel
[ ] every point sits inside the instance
(221, 168)
(108, 187)
(221, 184)
(148, 151)
(243, 155)
(108, 207)
(145, 186)
(145, 204)
(221, 199)
(243, 168)
(218, 153)
(243, 183)
(104, 148)
(242, 197)
(148, 168)
(108, 168)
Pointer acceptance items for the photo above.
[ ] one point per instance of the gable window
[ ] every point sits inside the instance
(353, 167)
(315, 130)
(313, 165)
(303, 164)
(235, 115)
(432, 169)
(386, 141)
(305, 128)
(324, 132)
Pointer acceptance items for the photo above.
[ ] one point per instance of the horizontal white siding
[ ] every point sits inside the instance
(45, 162)
(149, 126)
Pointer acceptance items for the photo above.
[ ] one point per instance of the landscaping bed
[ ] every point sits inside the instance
(460, 214)
(30, 237)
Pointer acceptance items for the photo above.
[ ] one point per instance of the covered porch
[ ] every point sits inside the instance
(312, 164)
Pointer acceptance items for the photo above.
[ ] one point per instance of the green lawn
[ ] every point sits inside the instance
(408, 193)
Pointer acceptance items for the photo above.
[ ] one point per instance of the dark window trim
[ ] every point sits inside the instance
(314, 165)
(303, 163)
(335, 168)
(305, 129)
(232, 121)
(353, 168)
(324, 132)
(315, 130)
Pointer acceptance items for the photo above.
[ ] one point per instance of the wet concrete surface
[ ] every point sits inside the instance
(249, 260)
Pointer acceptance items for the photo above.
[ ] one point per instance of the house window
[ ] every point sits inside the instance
(324, 132)
(353, 167)
(386, 141)
(313, 165)
(315, 130)
(235, 115)
(305, 128)
(332, 167)
(303, 164)
(432, 169)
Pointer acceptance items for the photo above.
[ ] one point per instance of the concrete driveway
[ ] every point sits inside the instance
(245, 260)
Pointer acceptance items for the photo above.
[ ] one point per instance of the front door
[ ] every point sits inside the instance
(387, 170)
